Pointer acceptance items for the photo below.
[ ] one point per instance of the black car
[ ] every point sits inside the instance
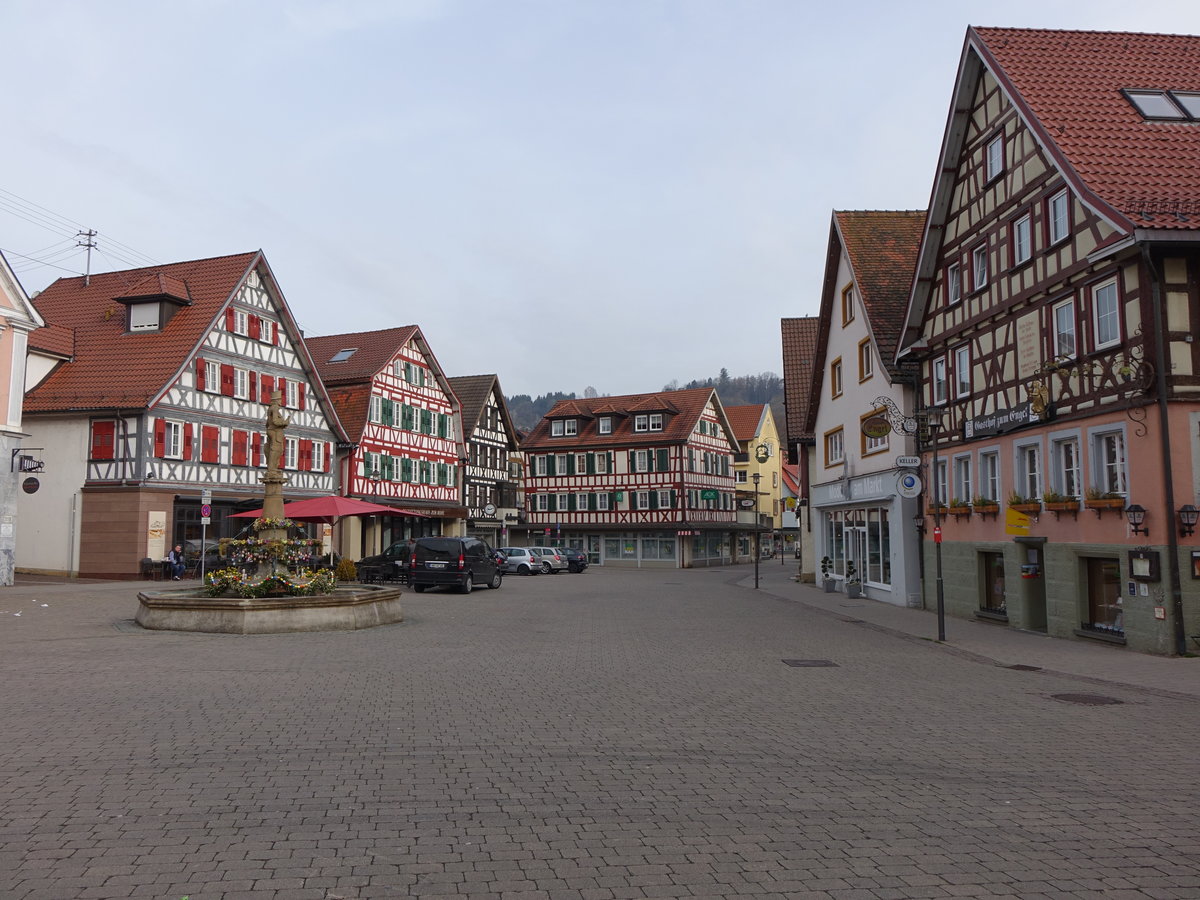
(461, 562)
(577, 560)
(390, 565)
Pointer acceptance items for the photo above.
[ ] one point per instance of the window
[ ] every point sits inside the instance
(1058, 216)
(740, 476)
(962, 479)
(605, 425)
(664, 499)
(656, 421)
(1109, 454)
(375, 408)
(1064, 330)
(144, 316)
(939, 381)
(173, 440)
(601, 463)
(835, 453)
(641, 423)
(962, 372)
(641, 460)
(540, 465)
(953, 283)
(543, 502)
(293, 393)
(241, 322)
(641, 500)
(1106, 314)
(318, 457)
(995, 157)
(571, 427)
(848, 305)
(562, 502)
(581, 501)
(1177, 105)
(103, 437)
(979, 267)
(1022, 239)
(556, 428)
(835, 378)
(1064, 456)
(266, 334)
(212, 377)
(1104, 613)
(1029, 471)
(602, 502)
(940, 487)
(580, 463)
(989, 475)
(290, 450)
(560, 464)
(241, 384)
(870, 444)
(866, 360)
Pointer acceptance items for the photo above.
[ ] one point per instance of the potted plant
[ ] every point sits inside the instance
(828, 582)
(1028, 505)
(959, 507)
(985, 506)
(1100, 500)
(1056, 502)
(853, 581)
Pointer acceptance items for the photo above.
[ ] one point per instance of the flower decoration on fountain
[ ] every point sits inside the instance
(266, 523)
(280, 584)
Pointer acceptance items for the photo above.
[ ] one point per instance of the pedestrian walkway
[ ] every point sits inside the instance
(991, 643)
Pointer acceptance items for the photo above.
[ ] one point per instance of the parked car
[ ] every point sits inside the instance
(552, 559)
(391, 564)
(461, 562)
(521, 560)
(577, 560)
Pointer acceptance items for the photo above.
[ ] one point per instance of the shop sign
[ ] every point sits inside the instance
(1004, 420)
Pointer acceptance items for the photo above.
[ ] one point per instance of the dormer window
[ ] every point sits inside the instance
(564, 427)
(604, 426)
(641, 423)
(145, 316)
(656, 421)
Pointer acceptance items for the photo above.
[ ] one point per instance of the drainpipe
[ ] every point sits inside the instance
(1160, 379)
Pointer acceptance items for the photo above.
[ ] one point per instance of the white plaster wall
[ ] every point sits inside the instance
(48, 521)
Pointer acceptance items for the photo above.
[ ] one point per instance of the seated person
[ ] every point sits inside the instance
(175, 558)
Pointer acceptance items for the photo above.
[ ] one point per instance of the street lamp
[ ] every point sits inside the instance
(755, 478)
(932, 420)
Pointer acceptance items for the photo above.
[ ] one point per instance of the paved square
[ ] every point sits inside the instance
(606, 735)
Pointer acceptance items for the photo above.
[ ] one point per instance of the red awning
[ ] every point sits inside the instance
(330, 509)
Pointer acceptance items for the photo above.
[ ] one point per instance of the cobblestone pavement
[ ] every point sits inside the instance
(606, 735)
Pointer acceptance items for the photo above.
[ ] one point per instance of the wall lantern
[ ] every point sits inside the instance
(1136, 515)
(919, 522)
(1188, 515)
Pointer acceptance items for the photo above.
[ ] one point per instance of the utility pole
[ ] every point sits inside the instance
(90, 243)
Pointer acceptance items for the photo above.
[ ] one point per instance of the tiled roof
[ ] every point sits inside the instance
(54, 339)
(882, 247)
(112, 368)
(1068, 86)
(373, 351)
(350, 402)
(791, 477)
(677, 428)
(799, 357)
(744, 420)
(473, 392)
(157, 284)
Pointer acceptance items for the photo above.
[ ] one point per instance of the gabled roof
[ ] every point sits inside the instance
(473, 392)
(683, 412)
(54, 340)
(15, 305)
(372, 351)
(157, 285)
(799, 360)
(1141, 176)
(791, 477)
(745, 421)
(351, 403)
(112, 368)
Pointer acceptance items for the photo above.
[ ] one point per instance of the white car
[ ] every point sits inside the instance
(553, 559)
(521, 560)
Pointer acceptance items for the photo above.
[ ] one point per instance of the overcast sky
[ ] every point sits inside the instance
(569, 193)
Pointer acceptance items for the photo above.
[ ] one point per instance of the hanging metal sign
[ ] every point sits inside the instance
(876, 427)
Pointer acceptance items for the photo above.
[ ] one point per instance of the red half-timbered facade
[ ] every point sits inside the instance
(1053, 314)
(644, 479)
(491, 492)
(404, 431)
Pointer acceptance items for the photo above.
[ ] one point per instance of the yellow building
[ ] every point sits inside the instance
(759, 452)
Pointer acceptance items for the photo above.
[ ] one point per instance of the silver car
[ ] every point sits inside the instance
(521, 560)
(553, 559)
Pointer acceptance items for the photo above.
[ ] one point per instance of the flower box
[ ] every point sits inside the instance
(1031, 509)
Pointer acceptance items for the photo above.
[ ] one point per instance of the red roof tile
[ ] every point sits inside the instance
(744, 420)
(54, 339)
(350, 402)
(111, 367)
(799, 358)
(157, 284)
(473, 392)
(373, 351)
(1068, 85)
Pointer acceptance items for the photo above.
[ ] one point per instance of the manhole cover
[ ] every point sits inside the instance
(1087, 699)
(1019, 668)
(811, 663)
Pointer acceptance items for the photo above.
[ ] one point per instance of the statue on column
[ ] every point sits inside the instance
(274, 478)
(277, 421)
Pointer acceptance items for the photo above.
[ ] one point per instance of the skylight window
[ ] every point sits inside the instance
(343, 355)
(1170, 106)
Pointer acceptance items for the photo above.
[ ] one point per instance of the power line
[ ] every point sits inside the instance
(8, 252)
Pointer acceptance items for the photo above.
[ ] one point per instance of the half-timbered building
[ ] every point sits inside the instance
(404, 432)
(799, 342)
(638, 480)
(149, 389)
(862, 500)
(490, 490)
(1053, 312)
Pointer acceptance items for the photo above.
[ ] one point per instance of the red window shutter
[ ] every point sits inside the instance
(257, 444)
(238, 457)
(275, 334)
(328, 457)
(160, 438)
(187, 441)
(253, 326)
(301, 395)
(210, 443)
(253, 386)
(230, 319)
(267, 387)
(201, 371)
(305, 463)
(227, 380)
(103, 434)
(281, 386)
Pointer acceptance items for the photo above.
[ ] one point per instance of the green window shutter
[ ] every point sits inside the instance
(654, 499)
(570, 503)
(442, 425)
(386, 468)
(405, 469)
(591, 465)
(632, 461)
(550, 461)
(592, 502)
(441, 473)
(406, 417)
(672, 500)
(612, 500)
(570, 463)
(388, 407)
(650, 459)
(552, 503)
(663, 459)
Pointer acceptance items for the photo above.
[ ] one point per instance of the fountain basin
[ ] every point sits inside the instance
(346, 609)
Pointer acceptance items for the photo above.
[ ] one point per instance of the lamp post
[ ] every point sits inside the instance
(932, 419)
(755, 478)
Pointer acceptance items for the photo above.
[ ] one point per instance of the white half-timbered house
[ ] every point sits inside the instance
(490, 490)
(404, 432)
(639, 480)
(1054, 312)
(149, 389)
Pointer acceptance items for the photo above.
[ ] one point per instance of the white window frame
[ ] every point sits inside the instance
(1030, 479)
(293, 394)
(540, 465)
(1067, 471)
(266, 331)
(212, 377)
(994, 152)
(641, 499)
(563, 502)
(664, 498)
(172, 439)
(866, 361)
(602, 502)
(241, 322)
(656, 422)
(1058, 216)
(641, 423)
(962, 371)
(963, 485)
(954, 284)
(605, 425)
(979, 267)
(318, 459)
(1063, 335)
(570, 427)
(556, 428)
(641, 460)
(375, 409)
(740, 476)
(601, 463)
(291, 452)
(1022, 239)
(542, 503)
(837, 381)
(989, 475)
(835, 447)
(560, 464)
(1108, 316)
(241, 383)
(940, 486)
(581, 503)
(939, 385)
(1110, 461)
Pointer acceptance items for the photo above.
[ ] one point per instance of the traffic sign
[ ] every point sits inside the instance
(206, 509)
